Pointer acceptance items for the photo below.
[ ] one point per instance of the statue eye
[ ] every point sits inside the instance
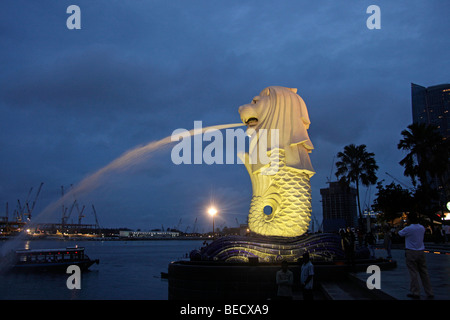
(255, 99)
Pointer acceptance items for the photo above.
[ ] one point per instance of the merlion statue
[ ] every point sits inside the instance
(281, 201)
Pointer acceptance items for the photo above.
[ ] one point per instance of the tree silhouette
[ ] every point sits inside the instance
(427, 158)
(356, 165)
(424, 145)
(392, 200)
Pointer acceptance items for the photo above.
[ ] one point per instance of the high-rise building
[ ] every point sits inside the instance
(430, 105)
(339, 207)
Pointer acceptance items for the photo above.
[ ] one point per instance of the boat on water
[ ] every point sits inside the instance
(51, 259)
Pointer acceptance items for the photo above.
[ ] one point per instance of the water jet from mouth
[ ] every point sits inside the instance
(123, 163)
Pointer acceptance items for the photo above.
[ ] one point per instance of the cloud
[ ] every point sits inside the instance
(73, 101)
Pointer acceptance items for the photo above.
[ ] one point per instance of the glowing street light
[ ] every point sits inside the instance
(212, 211)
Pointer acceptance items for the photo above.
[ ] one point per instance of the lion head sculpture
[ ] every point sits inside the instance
(283, 109)
(281, 202)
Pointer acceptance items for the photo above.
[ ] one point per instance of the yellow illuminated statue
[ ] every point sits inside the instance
(277, 121)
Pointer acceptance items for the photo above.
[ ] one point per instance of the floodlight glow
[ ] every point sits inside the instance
(212, 211)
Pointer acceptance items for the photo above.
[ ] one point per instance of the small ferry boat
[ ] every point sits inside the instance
(51, 259)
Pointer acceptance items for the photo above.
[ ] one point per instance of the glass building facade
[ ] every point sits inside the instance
(430, 105)
(339, 207)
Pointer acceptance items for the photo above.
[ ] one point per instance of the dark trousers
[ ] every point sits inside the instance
(417, 267)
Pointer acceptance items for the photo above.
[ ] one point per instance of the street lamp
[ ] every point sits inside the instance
(212, 211)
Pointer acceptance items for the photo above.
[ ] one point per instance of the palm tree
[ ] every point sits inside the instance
(426, 147)
(356, 165)
(427, 159)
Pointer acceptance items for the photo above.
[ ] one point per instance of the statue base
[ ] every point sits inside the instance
(321, 247)
(239, 267)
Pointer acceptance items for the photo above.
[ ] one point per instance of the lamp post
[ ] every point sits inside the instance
(212, 211)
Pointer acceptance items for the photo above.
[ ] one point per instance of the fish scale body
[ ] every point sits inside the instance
(287, 191)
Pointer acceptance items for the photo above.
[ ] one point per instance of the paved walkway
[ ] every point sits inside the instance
(395, 282)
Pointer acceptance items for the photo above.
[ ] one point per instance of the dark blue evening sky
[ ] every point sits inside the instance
(71, 101)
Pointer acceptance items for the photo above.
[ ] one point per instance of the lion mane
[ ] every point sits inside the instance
(283, 109)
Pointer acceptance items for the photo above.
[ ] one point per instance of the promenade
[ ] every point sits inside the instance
(395, 282)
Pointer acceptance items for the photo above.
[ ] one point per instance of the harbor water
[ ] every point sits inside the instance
(131, 270)
(128, 270)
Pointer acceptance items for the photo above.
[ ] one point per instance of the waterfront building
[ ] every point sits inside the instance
(430, 105)
(149, 234)
(338, 207)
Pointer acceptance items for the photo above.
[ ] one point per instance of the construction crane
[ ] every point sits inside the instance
(65, 217)
(97, 225)
(80, 213)
(30, 210)
(25, 210)
(19, 212)
(315, 224)
(64, 209)
(331, 171)
(409, 188)
(178, 225)
(26, 202)
(194, 229)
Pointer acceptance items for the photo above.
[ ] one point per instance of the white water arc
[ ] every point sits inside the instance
(122, 163)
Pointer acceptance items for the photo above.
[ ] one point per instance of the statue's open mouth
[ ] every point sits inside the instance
(251, 122)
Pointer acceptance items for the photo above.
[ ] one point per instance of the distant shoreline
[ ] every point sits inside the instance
(78, 238)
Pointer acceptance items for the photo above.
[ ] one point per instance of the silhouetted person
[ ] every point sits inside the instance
(348, 245)
(370, 240)
(388, 240)
(415, 257)
(285, 280)
(306, 277)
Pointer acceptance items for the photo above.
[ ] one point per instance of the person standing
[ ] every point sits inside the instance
(415, 257)
(348, 246)
(446, 233)
(285, 281)
(388, 240)
(306, 277)
(370, 240)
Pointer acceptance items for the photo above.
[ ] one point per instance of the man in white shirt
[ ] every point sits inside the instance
(415, 257)
(306, 277)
